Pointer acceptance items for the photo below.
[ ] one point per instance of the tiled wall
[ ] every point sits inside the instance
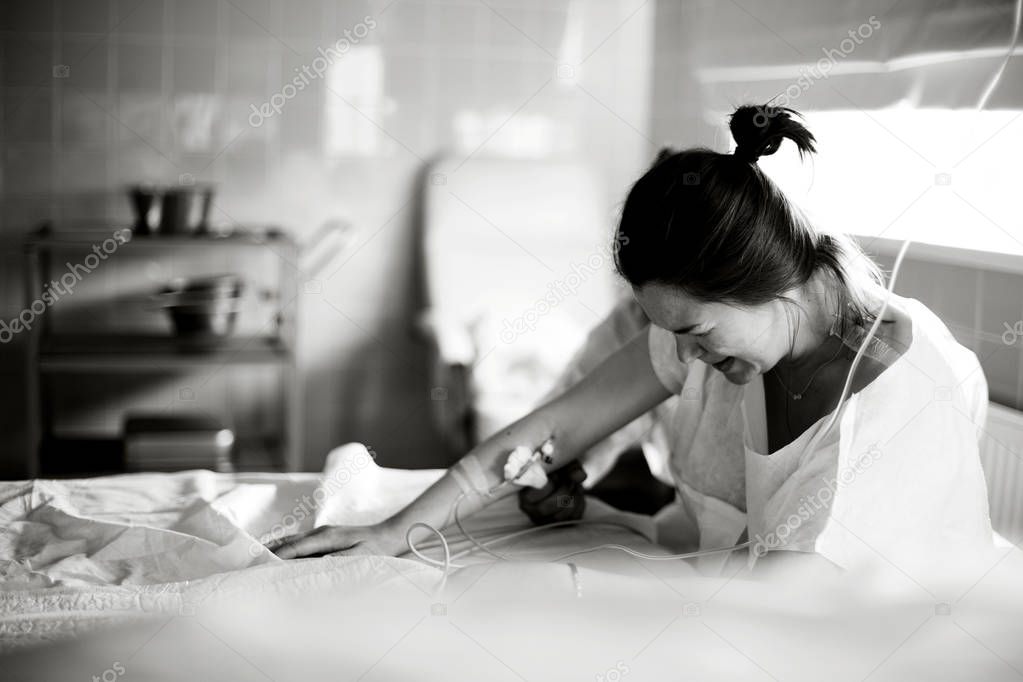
(983, 308)
(95, 94)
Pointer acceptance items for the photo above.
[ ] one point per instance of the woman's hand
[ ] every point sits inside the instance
(379, 539)
(561, 499)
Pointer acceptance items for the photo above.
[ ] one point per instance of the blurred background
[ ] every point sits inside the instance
(390, 222)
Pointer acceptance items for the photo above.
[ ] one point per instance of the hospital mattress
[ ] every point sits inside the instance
(76, 555)
(162, 577)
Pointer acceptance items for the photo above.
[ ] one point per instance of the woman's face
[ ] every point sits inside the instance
(738, 342)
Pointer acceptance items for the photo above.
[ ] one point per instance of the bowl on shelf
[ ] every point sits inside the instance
(186, 209)
(203, 307)
(180, 209)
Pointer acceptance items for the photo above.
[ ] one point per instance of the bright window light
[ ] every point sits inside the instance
(946, 177)
(354, 102)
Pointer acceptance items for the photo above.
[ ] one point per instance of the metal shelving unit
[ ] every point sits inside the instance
(52, 355)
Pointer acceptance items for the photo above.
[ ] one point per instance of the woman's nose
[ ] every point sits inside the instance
(686, 349)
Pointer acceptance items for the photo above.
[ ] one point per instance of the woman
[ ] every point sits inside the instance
(756, 318)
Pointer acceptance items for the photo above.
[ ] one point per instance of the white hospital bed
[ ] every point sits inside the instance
(162, 575)
(75, 554)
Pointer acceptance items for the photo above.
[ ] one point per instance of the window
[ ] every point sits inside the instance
(938, 176)
(354, 101)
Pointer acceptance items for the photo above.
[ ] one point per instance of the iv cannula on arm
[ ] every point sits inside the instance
(616, 392)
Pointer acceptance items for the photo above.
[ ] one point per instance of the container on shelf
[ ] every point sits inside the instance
(179, 209)
(205, 307)
(176, 442)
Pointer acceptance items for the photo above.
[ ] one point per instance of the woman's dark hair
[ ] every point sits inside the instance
(717, 227)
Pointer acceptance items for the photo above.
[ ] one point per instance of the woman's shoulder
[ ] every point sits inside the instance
(926, 349)
(933, 341)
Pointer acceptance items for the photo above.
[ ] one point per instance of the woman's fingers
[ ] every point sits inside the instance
(275, 543)
(316, 542)
(294, 546)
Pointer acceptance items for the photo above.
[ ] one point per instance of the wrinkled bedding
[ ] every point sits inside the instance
(79, 554)
(162, 577)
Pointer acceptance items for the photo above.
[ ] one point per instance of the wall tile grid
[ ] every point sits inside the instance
(983, 309)
(98, 94)
(101, 93)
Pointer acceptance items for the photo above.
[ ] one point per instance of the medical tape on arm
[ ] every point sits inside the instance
(469, 474)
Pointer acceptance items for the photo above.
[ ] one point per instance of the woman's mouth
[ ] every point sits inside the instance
(725, 364)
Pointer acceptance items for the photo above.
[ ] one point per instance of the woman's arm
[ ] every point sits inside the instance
(620, 389)
(616, 392)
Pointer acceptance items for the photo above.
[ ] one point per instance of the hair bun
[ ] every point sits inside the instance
(665, 154)
(759, 131)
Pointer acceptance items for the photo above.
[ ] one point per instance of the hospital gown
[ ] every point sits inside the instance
(898, 477)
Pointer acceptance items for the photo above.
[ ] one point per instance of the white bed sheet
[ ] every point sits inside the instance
(78, 554)
(608, 615)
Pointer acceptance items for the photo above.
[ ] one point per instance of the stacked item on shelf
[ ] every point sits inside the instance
(176, 442)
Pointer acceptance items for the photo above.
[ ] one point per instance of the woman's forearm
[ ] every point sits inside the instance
(615, 393)
(436, 505)
(612, 395)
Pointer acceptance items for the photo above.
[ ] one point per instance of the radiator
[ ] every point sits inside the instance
(1001, 454)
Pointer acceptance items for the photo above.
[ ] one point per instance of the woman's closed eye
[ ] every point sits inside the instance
(701, 341)
(708, 342)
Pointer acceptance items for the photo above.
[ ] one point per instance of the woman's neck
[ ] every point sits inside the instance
(813, 320)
